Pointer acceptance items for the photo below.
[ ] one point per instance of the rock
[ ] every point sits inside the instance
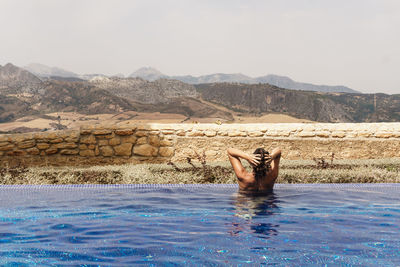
(103, 142)
(73, 137)
(124, 132)
(101, 132)
(87, 153)
(167, 132)
(16, 153)
(154, 140)
(83, 147)
(106, 151)
(237, 133)
(181, 133)
(56, 140)
(222, 133)
(306, 134)
(91, 146)
(255, 134)
(51, 150)
(129, 139)
(141, 141)
(210, 133)
(195, 133)
(88, 139)
(66, 145)
(338, 134)
(114, 141)
(141, 133)
(42, 145)
(382, 134)
(69, 152)
(26, 144)
(166, 151)
(145, 150)
(6, 147)
(123, 150)
(33, 151)
(322, 133)
(166, 143)
(96, 151)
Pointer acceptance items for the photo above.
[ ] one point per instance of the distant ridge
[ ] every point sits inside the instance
(152, 74)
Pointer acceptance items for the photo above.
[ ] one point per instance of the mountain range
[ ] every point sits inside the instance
(152, 74)
(24, 94)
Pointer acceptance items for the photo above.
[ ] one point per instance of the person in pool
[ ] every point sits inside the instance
(265, 169)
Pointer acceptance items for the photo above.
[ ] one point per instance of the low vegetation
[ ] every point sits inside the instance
(199, 171)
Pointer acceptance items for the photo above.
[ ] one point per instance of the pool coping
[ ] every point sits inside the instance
(146, 186)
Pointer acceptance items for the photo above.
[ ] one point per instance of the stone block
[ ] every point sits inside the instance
(69, 152)
(382, 134)
(255, 134)
(91, 146)
(103, 142)
(51, 150)
(105, 136)
(16, 153)
(83, 147)
(180, 133)
(338, 134)
(106, 151)
(124, 132)
(88, 139)
(66, 145)
(222, 133)
(166, 151)
(85, 131)
(87, 153)
(210, 133)
(114, 141)
(123, 150)
(56, 140)
(195, 133)
(96, 151)
(145, 150)
(166, 143)
(141, 141)
(237, 133)
(154, 140)
(142, 133)
(168, 132)
(129, 139)
(306, 134)
(42, 145)
(4, 144)
(323, 133)
(6, 147)
(5, 138)
(33, 151)
(101, 132)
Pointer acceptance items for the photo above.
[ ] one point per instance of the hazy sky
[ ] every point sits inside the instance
(336, 42)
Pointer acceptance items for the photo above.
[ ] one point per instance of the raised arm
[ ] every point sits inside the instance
(234, 157)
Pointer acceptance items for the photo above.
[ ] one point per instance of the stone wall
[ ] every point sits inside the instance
(163, 142)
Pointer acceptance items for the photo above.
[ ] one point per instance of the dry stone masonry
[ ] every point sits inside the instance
(96, 144)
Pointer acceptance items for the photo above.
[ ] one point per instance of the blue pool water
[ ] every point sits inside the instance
(199, 225)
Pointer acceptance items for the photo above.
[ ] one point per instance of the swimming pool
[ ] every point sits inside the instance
(200, 225)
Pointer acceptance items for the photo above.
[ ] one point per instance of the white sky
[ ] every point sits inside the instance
(336, 42)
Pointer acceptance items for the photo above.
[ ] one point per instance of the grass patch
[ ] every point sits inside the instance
(291, 172)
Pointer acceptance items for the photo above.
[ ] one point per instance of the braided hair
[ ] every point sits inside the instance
(261, 169)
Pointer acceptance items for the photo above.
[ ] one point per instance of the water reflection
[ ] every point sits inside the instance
(253, 213)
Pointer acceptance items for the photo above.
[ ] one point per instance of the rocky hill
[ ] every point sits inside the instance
(259, 99)
(140, 90)
(14, 80)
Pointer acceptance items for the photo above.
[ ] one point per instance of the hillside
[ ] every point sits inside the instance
(259, 99)
(140, 90)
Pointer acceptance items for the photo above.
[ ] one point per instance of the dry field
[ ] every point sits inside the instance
(291, 171)
(72, 120)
